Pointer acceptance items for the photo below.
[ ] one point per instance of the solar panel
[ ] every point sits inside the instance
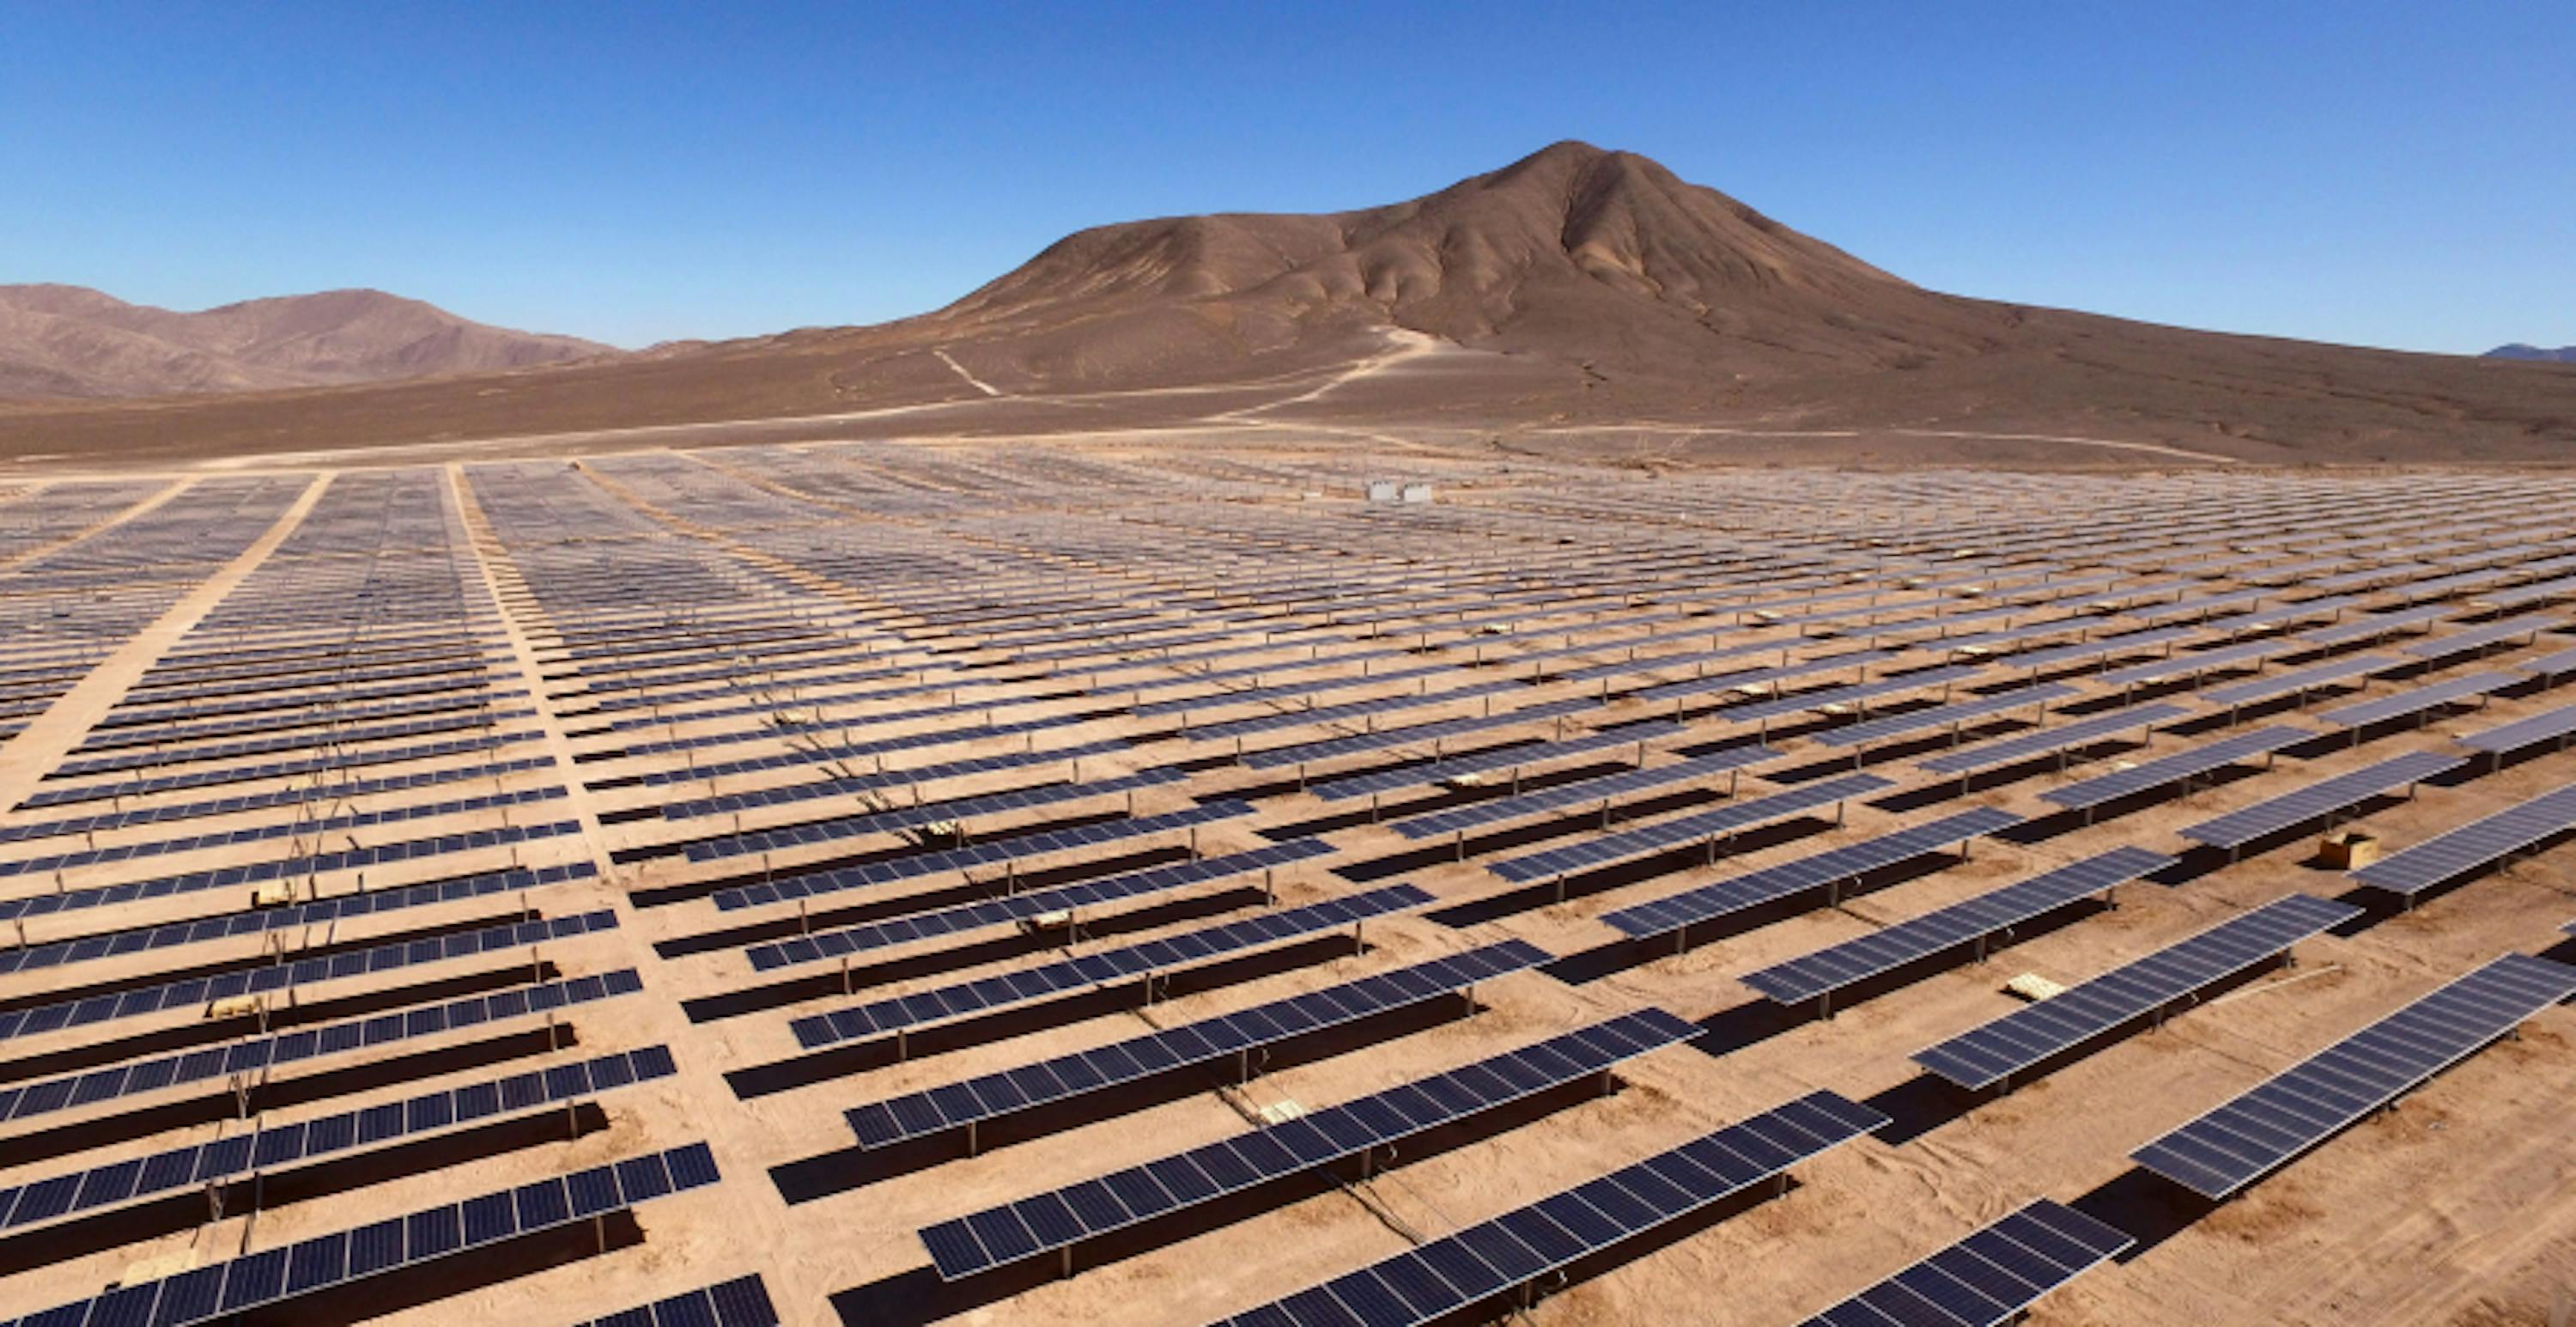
(1989, 1278)
(2552, 725)
(45, 1096)
(896, 778)
(1476, 762)
(2318, 800)
(2411, 871)
(2028, 1036)
(1356, 709)
(1704, 826)
(1825, 870)
(1856, 694)
(1755, 678)
(2203, 661)
(112, 944)
(2372, 626)
(741, 1302)
(2105, 788)
(1940, 716)
(281, 976)
(2049, 741)
(821, 945)
(259, 1280)
(1060, 1219)
(2481, 636)
(286, 868)
(1458, 819)
(1819, 975)
(787, 838)
(2236, 694)
(1049, 1083)
(877, 1017)
(267, 1148)
(2416, 700)
(2300, 1107)
(1334, 747)
(1484, 1261)
(974, 854)
(2102, 647)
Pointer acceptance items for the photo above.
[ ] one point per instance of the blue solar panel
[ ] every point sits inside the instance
(2411, 871)
(249, 1056)
(2050, 741)
(814, 833)
(2238, 828)
(1209, 1040)
(281, 976)
(974, 854)
(1477, 762)
(259, 1280)
(268, 1148)
(882, 1016)
(822, 945)
(2302, 1106)
(1941, 716)
(2029, 1036)
(741, 1302)
(1451, 1274)
(284, 868)
(1356, 743)
(1990, 1277)
(1820, 974)
(1666, 916)
(1698, 827)
(112, 944)
(2087, 794)
(1582, 792)
(2417, 700)
(1060, 1219)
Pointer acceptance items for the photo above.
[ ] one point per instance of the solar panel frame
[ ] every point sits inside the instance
(2299, 806)
(2103, 789)
(1703, 826)
(2435, 861)
(1988, 1278)
(1675, 913)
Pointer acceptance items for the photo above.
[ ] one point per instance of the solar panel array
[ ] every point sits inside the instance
(1450, 1274)
(1989, 1278)
(2028, 1037)
(995, 1236)
(1820, 974)
(2300, 1107)
(350, 724)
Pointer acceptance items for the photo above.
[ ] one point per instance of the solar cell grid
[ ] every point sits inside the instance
(741, 1302)
(1220, 1038)
(1580, 793)
(1818, 975)
(269, 1147)
(1011, 1232)
(2413, 870)
(1448, 1275)
(1990, 1277)
(259, 1280)
(1704, 826)
(1992, 1054)
(820, 945)
(2101, 790)
(878, 1017)
(2264, 1128)
(2238, 828)
(1825, 870)
(40, 1019)
(975, 854)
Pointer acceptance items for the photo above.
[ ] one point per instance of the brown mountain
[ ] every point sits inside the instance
(1575, 299)
(71, 341)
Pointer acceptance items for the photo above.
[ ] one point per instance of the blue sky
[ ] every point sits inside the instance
(2386, 174)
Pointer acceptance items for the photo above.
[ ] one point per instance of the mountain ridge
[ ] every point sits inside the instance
(1573, 294)
(73, 341)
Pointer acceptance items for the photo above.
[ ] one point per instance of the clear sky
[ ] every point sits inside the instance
(2388, 174)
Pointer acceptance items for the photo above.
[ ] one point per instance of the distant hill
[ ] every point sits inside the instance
(2562, 355)
(1552, 304)
(68, 341)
